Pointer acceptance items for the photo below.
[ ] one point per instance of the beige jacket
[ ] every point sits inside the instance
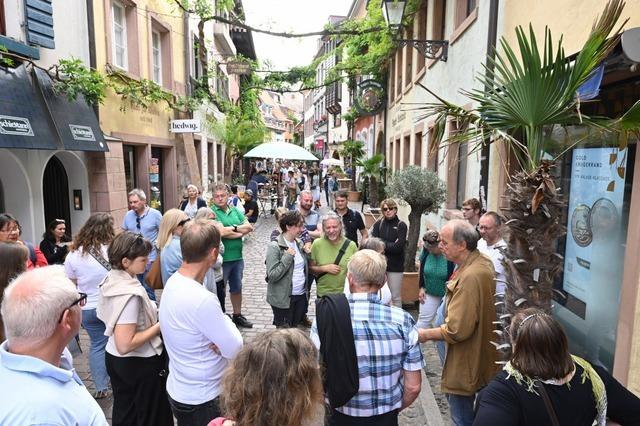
(470, 360)
(115, 291)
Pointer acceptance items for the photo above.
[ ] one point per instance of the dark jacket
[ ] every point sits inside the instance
(394, 234)
(199, 202)
(423, 258)
(55, 254)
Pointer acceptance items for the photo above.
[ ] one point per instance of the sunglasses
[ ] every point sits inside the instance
(182, 222)
(138, 222)
(386, 209)
(81, 301)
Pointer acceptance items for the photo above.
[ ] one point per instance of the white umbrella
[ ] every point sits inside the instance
(281, 150)
(331, 162)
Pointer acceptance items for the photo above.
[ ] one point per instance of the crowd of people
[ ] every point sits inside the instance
(359, 362)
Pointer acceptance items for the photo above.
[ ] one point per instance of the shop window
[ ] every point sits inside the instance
(129, 156)
(156, 184)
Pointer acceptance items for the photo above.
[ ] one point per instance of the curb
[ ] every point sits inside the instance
(430, 408)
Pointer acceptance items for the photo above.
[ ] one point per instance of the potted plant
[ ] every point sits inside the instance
(424, 192)
(354, 151)
(370, 175)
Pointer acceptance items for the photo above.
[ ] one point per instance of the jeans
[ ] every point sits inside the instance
(440, 344)
(95, 329)
(428, 311)
(195, 415)
(461, 408)
(150, 292)
(232, 273)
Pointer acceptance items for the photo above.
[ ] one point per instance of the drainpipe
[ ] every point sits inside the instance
(492, 36)
(92, 45)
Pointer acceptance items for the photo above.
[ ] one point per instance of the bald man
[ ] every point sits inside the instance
(41, 310)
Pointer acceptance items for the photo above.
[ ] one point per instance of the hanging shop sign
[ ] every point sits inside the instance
(238, 67)
(184, 126)
(15, 126)
(370, 97)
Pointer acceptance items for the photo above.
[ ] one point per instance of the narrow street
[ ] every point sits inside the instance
(259, 312)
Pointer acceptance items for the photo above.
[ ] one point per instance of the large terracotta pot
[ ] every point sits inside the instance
(410, 282)
(354, 195)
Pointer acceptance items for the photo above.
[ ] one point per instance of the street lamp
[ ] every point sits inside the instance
(393, 12)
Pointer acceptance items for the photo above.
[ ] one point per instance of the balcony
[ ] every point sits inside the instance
(334, 96)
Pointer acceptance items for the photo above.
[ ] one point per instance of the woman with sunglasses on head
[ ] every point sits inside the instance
(169, 242)
(543, 384)
(87, 267)
(393, 232)
(55, 242)
(136, 360)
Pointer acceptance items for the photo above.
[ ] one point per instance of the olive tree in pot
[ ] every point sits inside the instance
(424, 192)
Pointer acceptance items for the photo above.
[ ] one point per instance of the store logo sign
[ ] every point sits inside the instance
(82, 133)
(15, 126)
(184, 126)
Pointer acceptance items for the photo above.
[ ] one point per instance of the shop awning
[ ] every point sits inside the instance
(75, 121)
(24, 119)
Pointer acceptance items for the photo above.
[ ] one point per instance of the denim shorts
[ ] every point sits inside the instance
(232, 273)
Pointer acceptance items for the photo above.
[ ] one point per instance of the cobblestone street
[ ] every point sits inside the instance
(259, 312)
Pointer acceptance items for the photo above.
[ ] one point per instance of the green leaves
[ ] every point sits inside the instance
(418, 187)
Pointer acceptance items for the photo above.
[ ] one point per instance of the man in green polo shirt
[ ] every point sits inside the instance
(330, 275)
(232, 262)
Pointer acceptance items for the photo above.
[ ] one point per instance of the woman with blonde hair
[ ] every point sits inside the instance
(87, 266)
(274, 380)
(169, 242)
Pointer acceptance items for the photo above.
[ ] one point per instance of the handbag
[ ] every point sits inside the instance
(154, 277)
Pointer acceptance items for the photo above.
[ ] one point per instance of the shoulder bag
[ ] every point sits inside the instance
(339, 256)
(154, 276)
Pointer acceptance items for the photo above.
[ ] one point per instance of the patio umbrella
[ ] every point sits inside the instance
(331, 162)
(281, 150)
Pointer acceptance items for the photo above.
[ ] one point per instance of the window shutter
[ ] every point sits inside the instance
(39, 18)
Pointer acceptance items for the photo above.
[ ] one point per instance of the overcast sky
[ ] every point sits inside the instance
(290, 16)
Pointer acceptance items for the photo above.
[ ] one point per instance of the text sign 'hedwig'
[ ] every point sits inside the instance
(184, 126)
(15, 126)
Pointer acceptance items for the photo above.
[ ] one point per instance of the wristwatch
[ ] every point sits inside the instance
(235, 228)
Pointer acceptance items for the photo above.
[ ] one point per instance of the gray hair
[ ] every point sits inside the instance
(373, 243)
(332, 216)
(306, 192)
(203, 213)
(464, 231)
(138, 193)
(31, 316)
(368, 267)
(192, 186)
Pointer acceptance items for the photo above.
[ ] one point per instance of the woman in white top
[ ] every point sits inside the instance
(87, 266)
(191, 205)
(135, 358)
(287, 269)
(375, 244)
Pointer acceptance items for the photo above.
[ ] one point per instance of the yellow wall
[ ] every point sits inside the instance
(152, 122)
(571, 18)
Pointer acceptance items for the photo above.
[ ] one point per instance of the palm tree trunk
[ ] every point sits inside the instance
(534, 222)
(373, 192)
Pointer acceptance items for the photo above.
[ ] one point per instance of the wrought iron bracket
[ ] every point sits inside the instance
(431, 49)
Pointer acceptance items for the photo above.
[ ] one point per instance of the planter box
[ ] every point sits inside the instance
(354, 196)
(410, 290)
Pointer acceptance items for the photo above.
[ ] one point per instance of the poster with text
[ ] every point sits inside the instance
(594, 221)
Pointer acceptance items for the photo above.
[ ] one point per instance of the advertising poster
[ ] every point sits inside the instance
(594, 222)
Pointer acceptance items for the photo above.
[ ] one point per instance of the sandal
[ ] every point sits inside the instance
(102, 394)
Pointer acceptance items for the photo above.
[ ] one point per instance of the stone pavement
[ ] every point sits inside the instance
(427, 410)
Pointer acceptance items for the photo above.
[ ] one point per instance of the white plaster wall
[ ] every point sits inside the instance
(71, 33)
(21, 173)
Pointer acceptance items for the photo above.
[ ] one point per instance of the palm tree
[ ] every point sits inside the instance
(371, 173)
(522, 99)
(239, 136)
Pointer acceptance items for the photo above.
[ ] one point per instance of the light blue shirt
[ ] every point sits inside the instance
(170, 258)
(149, 226)
(38, 393)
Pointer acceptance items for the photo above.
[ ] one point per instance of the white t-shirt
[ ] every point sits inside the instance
(191, 209)
(299, 277)
(87, 272)
(131, 315)
(493, 252)
(191, 319)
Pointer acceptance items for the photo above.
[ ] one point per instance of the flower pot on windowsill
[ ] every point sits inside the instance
(354, 196)
(410, 283)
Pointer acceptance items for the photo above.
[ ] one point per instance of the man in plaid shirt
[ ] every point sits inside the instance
(387, 349)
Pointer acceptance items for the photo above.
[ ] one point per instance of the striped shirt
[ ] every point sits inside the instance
(386, 341)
